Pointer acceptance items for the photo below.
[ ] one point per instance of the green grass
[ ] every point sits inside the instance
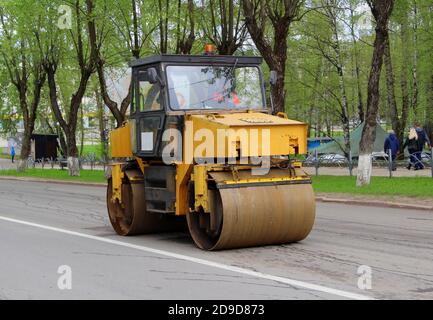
(380, 186)
(4, 153)
(95, 149)
(401, 186)
(57, 174)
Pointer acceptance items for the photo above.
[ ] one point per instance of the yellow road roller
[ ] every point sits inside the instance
(202, 151)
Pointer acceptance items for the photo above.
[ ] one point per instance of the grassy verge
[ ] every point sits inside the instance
(95, 150)
(57, 174)
(401, 186)
(4, 153)
(380, 186)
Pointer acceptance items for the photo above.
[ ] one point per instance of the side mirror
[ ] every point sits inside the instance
(152, 76)
(273, 77)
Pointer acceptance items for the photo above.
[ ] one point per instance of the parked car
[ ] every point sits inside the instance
(330, 158)
(426, 156)
(379, 156)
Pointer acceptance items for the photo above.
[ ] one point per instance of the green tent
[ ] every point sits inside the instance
(337, 145)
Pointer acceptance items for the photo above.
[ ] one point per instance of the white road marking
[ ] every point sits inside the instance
(295, 283)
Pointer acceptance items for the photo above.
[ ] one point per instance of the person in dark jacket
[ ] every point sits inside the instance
(423, 140)
(412, 145)
(422, 136)
(392, 144)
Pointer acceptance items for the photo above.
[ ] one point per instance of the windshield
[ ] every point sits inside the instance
(214, 87)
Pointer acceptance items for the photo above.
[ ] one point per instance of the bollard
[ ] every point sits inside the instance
(390, 162)
(316, 162)
(431, 161)
(350, 163)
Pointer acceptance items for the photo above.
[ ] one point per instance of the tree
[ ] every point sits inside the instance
(414, 101)
(24, 67)
(225, 27)
(329, 46)
(353, 20)
(381, 11)
(104, 36)
(68, 117)
(398, 122)
(279, 15)
(185, 20)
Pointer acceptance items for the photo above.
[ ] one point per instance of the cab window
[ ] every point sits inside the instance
(149, 96)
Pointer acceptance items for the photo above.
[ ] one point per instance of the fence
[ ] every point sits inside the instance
(314, 160)
(90, 161)
(379, 160)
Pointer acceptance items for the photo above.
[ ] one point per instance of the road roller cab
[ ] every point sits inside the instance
(201, 150)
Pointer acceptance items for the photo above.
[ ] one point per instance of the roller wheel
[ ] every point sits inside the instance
(205, 228)
(131, 218)
(254, 216)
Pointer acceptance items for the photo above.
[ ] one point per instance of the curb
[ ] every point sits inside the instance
(379, 204)
(77, 183)
(384, 204)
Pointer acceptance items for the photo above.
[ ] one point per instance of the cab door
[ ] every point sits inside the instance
(149, 113)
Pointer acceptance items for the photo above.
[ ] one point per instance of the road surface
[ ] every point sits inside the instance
(44, 226)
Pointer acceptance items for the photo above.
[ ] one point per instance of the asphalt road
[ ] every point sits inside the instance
(45, 226)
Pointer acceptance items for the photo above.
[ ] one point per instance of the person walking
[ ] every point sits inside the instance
(392, 144)
(412, 145)
(423, 140)
(12, 153)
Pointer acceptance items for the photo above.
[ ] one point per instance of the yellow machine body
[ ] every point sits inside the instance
(120, 139)
(286, 137)
(226, 204)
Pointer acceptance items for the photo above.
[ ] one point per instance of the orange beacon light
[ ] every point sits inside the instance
(209, 49)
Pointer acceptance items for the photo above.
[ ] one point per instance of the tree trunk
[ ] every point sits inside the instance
(28, 127)
(344, 115)
(342, 85)
(428, 125)
(25, 148)
(73, 161)
(62, 140)
(357, 68)
(119, 113)
(390, 89)
(87, 66)
(398, 122)
(185, 42)
(414, 102)
(336, 61)
(102, 133)
(82, 131)
(404, 74)
(69, 128)
(275, 55)
(278, 90)
(381, 10)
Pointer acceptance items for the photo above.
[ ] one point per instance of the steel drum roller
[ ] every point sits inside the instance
(254, 216)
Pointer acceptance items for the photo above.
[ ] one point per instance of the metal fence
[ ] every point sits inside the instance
(379, 160)
(314, 160)
(87, 162)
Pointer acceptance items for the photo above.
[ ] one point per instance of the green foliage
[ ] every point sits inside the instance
(398, 186)
(95, 176)
(312, 81)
